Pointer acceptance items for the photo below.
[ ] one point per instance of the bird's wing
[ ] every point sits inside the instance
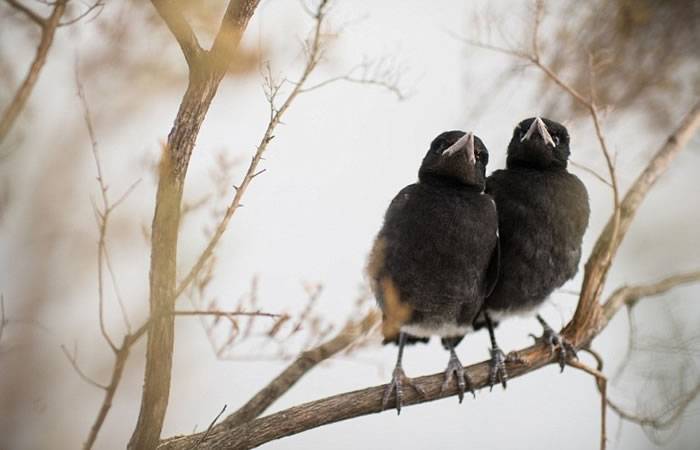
(398, 204)
(494, 267)
(375, 264)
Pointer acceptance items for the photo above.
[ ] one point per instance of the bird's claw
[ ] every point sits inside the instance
(557, 344)
(396, 384)
(456, 370)
(497, 367)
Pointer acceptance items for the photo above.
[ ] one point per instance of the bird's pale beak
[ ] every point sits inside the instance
(539, 126)
(466, 141)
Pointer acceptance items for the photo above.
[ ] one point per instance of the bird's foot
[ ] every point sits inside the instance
(396, 384)
(497, 368)
(557, 344)
(456, 370)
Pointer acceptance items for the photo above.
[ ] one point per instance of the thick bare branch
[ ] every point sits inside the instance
(352, 404)
(204, 80)
(48, 30)
(241, 430)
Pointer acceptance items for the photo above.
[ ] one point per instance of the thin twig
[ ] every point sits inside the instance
(102, 215)
(48, 29)
(592, 172)
(3, 320)
(629, 295)
(211, 425)
(73, 359)
(602, 383)
(31, 15)
(226, 313)
(276, 114)
(98, 4)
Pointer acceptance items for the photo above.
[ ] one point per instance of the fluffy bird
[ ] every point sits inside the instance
(542, 213)
(435, 258)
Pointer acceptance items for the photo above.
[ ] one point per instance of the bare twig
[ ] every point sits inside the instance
(276, 114)
(48, 29)
(102, 214)
(97, 6)
(3, 319)
(31, 15)
(663, 420)
(592, 172)
(73, 359)
(602, 383)
(629, 295)
(120, 358)
(226, 313)
(211, 426)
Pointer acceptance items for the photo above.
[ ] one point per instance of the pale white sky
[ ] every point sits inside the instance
(332, 169)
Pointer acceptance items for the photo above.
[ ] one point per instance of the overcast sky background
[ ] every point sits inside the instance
(332, 169)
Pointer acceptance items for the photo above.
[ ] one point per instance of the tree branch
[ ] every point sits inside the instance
(283, 382)
(240, 431)
(48, 30)
(629, 295)
(181, 30)
(355, 404)
(27, 11)
(204, 80)
(587, 318)
(276, 114)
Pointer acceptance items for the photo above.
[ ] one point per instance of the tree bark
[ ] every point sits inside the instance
(206, 72)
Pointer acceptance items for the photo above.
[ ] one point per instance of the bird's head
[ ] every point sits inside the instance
(539, 143)
(455, 158)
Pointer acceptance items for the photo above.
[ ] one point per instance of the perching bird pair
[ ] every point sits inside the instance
(459, 251)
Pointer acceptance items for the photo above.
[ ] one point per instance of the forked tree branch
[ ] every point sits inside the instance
(48, 30)
(366, 401)
(204, 79)
(261, 401)
(588, 320)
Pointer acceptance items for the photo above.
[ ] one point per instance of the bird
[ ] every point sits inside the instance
(435, 258)
(543, 213)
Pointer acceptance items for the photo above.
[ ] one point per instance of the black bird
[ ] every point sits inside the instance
(434, 260)
(542, 215)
